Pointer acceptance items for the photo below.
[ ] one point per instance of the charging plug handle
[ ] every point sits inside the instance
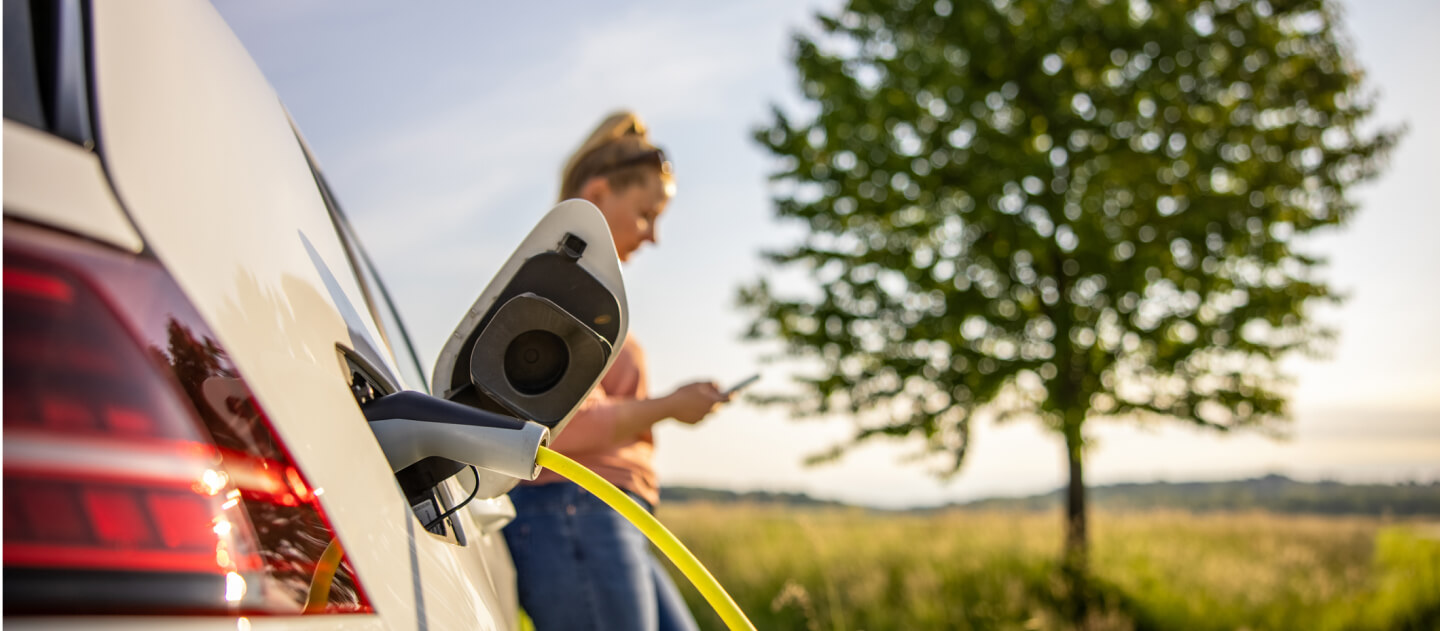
(412, 426)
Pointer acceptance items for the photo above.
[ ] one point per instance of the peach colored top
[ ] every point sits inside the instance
(590, 440)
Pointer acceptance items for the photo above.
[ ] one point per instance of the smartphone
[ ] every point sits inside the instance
(743, 382)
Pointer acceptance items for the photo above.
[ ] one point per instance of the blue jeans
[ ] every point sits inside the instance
(580, 565)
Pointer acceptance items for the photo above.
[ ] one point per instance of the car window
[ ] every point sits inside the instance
(45, 82)
(22, 86)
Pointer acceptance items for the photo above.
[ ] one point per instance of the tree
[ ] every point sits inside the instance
(1060, 210)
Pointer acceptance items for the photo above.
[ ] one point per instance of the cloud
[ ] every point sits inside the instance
(491, 158)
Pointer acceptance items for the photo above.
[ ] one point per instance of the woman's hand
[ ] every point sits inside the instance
(691, 403)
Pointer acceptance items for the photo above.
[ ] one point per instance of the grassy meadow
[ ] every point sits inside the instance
(838, 569)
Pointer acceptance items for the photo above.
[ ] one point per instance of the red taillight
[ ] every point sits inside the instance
(141, 476)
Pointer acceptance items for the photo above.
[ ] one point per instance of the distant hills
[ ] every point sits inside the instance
(679, 494)
(1275, 493)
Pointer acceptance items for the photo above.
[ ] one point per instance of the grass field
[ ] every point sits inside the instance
(852, 570)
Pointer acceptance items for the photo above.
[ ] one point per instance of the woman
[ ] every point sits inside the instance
(579, 564)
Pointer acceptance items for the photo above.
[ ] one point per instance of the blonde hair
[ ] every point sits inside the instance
(620, 138)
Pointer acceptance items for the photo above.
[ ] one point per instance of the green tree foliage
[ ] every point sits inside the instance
(1060, 210)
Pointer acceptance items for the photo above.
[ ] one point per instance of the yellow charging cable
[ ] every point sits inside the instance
(658, 534)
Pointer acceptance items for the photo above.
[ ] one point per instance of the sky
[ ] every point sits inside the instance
(442, 127)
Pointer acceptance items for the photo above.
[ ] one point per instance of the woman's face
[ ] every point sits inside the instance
(631, 212)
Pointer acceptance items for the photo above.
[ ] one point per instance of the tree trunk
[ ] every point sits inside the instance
(1075, 564)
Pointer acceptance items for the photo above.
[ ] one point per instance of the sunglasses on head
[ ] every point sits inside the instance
(655, 157)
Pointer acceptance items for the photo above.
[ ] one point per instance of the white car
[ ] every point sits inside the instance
(206, 416)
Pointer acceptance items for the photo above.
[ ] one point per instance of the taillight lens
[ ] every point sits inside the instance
(141, 475)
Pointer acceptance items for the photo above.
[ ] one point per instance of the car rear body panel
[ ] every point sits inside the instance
(85, 205)
(196, 164)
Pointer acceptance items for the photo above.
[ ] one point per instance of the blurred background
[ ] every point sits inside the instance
(442, 128)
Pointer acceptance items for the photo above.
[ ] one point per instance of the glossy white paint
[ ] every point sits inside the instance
(204, 162)
(83, 205)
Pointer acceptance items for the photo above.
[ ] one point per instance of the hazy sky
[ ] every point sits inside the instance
(442, 127)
